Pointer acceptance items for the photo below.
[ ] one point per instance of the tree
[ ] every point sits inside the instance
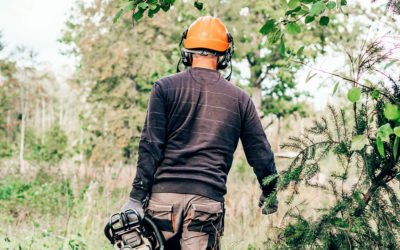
(364, 215)
(116, 73)
(269, 53)
(365, 209)
(7, 97)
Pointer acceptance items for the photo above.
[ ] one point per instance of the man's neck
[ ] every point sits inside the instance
(207, 63)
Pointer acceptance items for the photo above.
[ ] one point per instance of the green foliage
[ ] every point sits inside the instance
(198, 5)
(7, 101)
(139, 7)
(37, 196)
(268, 27)
(391, 111)
(358, 142)
(7, 149)
(324, 21)
(365, 213)
(52, 150)
(354, 94)
(293, 28)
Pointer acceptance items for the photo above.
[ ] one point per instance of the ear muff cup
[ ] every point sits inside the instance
(185, 57)
(224, 61)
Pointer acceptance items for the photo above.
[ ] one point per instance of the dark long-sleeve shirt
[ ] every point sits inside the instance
(194, 121)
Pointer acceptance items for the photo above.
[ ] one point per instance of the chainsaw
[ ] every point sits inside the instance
(128, 231)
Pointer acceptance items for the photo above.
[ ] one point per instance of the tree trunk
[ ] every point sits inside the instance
(256, 97)
(8, 126)
(43, 127)
(22, 130)
(278, 136)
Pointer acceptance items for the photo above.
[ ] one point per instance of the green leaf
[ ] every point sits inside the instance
(384, 132)
(358, 142)
(118, 15)
(154, 6)
(302, 12)
(354, 94)
(396, 131)
(343, 2)
(293, 28)
(138, 15)
(268, 27)
(143, 5)
(371, 119)
(165, 8)
(330, 5)
(324, 21)
(317, 8)
(379, 145)
(198, 5)
(335, 88)
(309, 19)
(152, 11)
(282, 49)
(395, 147)
(306, 1)
(293, 3)
(390, 64)
(300, 51)
(130, 7)
(391, 112)
(274, 37)
(375, 94)
(310, 76)
(292, 12)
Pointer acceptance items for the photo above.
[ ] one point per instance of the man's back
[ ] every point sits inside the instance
(204, 120)
(193, 124)
(195, 120)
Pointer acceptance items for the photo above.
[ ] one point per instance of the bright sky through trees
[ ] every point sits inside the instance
(36, 24)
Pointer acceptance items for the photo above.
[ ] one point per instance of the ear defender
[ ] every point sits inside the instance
(224, 60)
(185, 56)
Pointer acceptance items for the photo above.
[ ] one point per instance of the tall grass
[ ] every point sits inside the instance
(66, 207)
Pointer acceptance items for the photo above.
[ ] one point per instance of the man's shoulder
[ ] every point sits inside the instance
(166, 80)
(240, 93)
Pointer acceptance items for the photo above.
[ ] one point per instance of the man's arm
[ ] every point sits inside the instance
(256, 147)
(151, 146)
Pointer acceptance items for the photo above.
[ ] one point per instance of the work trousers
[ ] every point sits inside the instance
(187, 221)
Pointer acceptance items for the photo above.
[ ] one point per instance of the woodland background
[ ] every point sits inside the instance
(68, 147)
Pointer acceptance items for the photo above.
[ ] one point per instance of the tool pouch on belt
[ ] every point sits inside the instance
(162, 215)
(208, 218)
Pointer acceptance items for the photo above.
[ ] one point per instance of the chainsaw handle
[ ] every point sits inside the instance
(146, 220)
(159, 235)
(107, 229)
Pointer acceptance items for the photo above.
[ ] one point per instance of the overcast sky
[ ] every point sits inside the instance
(36, 24)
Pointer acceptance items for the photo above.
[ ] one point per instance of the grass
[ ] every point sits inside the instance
(66, 208)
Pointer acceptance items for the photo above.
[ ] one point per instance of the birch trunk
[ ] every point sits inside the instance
(22, 130)
(257, 99)
(43, 127)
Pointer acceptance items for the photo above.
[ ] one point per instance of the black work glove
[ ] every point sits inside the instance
(134, 205)
(267, 208)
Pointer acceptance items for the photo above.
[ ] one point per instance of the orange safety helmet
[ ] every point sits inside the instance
(207, 33)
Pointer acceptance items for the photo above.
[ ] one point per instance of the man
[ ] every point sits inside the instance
(194, 121)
